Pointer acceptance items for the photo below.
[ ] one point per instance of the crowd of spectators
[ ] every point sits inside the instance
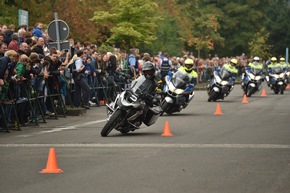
(29, 68)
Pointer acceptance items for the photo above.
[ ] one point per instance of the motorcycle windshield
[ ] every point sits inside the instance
(141, 86)
(179, 79)
(277, 70)
(256, 71)
(225, 74)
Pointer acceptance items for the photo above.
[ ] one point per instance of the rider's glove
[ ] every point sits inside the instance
(189, 89)
(232, 80)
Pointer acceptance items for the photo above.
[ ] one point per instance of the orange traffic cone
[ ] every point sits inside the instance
(218, 110)
(51, 166)
(264, 93)
(245, 100)
(166, 132)
(288, 86)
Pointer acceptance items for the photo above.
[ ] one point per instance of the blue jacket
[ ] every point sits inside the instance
(37, 32)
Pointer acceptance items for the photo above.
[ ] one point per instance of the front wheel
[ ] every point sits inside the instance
(251, 91)
(212, 96)
(282, 88)
(165, 107)
(112, 123)
(276, 89)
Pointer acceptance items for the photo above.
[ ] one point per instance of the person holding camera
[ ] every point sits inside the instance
(81, 85)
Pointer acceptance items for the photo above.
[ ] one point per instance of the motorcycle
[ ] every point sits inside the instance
(131, 108)
(252, 82)
(288, 76)
(219, 86)
(278, 81)
(175, 97)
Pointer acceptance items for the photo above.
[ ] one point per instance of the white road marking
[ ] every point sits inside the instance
(157, 145)
(57, 129)
(73, 126)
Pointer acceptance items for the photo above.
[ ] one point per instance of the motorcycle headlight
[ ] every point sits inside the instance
(281, 75)
(178, 91)
(257, 77)
(224, 83)
(252, 76)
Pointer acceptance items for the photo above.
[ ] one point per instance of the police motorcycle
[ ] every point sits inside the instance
(221, 83)
(178, 89)
(252, 79)
(286, 68)
(277, 79)
(133, 106)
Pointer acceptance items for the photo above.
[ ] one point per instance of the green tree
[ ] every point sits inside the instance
(133, 22)
(169, 30)
(258, 46)
(239, 23)
(278, 25)
(201, 25)
(8, 13)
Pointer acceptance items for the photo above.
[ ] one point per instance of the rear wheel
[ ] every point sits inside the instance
(113, 122)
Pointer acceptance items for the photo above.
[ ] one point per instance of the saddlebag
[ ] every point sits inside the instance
(152, 115)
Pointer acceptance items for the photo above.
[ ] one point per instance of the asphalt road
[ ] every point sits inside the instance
(247, 149)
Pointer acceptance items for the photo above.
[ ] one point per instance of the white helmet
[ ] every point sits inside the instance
(256, 58)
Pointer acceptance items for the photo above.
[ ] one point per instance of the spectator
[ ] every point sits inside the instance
(45, 45)
(30, 43)
(37, 31)
(38, 48)
(94, 70)
(123, 61)
(133, 63)
(13, 45)
(21, 35)
(88, 71)
(3, 29)
(2, 37)
(81, 86)
(8, 33)
(3, 49)
(7, 61)
(22, 72)
(23, 49)
(165, 66)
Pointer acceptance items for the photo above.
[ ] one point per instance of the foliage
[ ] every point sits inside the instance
(222, 27)
(258, 46)
(278, 24)
(128, 24)
(8, 14)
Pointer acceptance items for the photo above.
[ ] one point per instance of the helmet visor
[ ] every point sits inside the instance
(188, 66)
(148, 73)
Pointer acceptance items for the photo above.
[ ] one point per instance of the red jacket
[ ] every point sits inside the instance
(13, 45)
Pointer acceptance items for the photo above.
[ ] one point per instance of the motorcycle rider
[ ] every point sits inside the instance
(148, 70)
(286, 67)
(231, 68)
(273, 65)
(284, 64)
(255, 65)
(190, 79)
